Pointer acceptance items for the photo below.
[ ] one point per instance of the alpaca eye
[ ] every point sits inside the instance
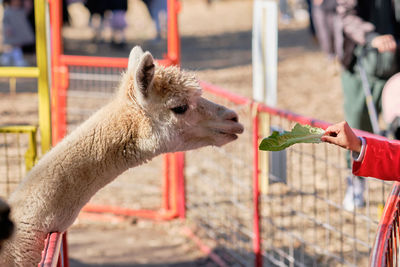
(180, 109)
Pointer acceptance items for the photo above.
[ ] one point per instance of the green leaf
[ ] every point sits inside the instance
(299, 134)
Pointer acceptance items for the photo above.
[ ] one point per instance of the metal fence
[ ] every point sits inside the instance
(219, 191)
(18, 154)
(302, 216)
(278, 208)
(250, 207)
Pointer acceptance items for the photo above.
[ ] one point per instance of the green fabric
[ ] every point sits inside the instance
(381, 65)
(355, 107)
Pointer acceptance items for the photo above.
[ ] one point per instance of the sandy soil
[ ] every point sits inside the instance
(216, 44)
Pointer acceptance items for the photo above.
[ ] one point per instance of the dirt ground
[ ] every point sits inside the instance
(216, 44)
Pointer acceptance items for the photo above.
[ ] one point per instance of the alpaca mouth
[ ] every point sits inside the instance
(230, 130)
(230, 135)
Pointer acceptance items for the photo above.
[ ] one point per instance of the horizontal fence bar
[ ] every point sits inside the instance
(110, 62)
(18, 129)
(88, 61)
(148, 214)
(19, 72)
(218, 91)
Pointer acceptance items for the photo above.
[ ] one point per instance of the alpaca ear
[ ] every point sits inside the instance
(144, 74)
(134, 57)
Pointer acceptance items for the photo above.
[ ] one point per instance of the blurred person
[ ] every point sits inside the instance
(97, 8)
(158, 13)
(110, 14)
(118, 22)
(65, 15)
(371, 29)
(372, 157)
(284, 9)
(16, 32)
(328, 28)
(310, 18)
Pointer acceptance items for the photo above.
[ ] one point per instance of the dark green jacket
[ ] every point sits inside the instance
(362, 21)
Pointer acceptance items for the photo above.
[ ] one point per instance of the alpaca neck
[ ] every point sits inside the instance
(67, 177)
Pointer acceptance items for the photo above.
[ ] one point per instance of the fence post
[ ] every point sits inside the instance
(173, 32)
(256, 191)
(181, 200)
(265, 51)
(43, 79)
(57, 90)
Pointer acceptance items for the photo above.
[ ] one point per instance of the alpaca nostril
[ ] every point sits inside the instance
(231, 116)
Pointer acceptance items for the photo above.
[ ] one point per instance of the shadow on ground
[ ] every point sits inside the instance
(200, 52)
(197, 52)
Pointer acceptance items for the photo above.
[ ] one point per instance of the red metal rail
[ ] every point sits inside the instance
(51, 256)
(386, 245)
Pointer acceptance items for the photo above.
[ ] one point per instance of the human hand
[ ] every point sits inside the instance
(342, 135)
(384, 43)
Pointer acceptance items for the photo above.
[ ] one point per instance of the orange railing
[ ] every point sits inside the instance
(385, 251)
(55, 251)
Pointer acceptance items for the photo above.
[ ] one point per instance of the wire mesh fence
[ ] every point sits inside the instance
(219, 194)
(18, 154)
(301, 190)
(89, 89)
(303, 219)
(18, 139)
(298, 202)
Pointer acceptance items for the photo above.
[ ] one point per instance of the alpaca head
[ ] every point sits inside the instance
(171, 101)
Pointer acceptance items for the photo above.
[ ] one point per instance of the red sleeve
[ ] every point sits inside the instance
(381, 160)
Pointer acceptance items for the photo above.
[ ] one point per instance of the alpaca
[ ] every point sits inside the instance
(155, 110)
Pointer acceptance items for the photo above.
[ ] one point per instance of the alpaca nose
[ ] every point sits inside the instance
(234, 118)
(230, 115)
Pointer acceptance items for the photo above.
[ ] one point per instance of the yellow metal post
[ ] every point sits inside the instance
(43, 79)
(41, 72)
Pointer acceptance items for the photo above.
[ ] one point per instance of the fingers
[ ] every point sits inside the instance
(384, 43)
(335, 129)
(334, 133)
(342, 135)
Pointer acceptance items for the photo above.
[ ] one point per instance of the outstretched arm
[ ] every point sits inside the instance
(379, 158)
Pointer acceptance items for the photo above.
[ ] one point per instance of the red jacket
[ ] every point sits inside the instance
(381, 160)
